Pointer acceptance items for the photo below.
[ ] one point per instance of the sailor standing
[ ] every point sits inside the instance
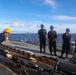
(74, 54)
(66, 42)
(42, 34)
(52, 39)
(4, 35)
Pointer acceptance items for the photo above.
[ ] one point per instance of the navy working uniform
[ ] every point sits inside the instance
(66, 44)
(2, 37)
(75, 46)
(52, 37)
(75, 49)
(42, 38)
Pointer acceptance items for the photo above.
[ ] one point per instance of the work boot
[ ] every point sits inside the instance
(55, 54)
(66, 55)
(61, 56)
(40, 51)
(44, 51)
(50, 53)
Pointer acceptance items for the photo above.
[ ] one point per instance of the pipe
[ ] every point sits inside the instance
(68, 68)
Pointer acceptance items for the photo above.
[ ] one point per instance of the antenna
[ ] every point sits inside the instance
(30, 37)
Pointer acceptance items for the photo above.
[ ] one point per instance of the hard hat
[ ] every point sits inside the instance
(7, 30)
(68, 30)
(42, 26)
(51, 27)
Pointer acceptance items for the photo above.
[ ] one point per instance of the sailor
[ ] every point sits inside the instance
(52, 39)
(75, 46)
(74, 54)
(42, 34)
(4, 35)
(66, 42)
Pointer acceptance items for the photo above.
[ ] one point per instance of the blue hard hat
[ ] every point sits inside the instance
(42, 26)
(68, 30)
(51, 27)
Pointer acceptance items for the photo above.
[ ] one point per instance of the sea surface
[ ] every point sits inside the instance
(34, 36)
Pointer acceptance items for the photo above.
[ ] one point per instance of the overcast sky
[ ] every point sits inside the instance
(26, 15)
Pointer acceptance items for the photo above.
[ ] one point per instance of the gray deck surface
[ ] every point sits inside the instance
(30, 47)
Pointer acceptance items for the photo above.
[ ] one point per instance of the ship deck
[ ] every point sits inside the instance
(33, 48)
(6, 64)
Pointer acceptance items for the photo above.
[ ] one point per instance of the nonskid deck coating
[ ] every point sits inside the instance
(33, 48)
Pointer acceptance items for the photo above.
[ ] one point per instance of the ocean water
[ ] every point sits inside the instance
(32, 36)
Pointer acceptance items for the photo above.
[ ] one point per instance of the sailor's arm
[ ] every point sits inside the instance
(47, 36)
(56, 40)
(70, 40)
(6, 39)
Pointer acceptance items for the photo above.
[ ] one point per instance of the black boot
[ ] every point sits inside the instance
(55, 54)
(50, 53)
(40, 51)
(61, 55)
(44, 51)
(66, 55)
